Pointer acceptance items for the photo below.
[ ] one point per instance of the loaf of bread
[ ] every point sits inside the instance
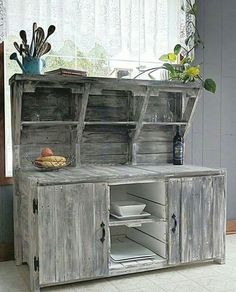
(53, 158)
(50, 161)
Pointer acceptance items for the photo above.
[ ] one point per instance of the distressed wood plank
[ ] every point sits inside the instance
(174, 200)
(141, 115)
(33, 237)
(186, 220)
(207, 218)
(219, 218)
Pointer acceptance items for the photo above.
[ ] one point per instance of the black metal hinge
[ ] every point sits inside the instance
(35, 206)
(36, 264)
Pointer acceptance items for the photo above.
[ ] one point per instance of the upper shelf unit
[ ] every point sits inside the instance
(100, 120)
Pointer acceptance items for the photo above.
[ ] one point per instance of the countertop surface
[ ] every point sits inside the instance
(114, 173)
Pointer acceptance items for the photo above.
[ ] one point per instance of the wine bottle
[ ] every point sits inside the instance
(178, 148)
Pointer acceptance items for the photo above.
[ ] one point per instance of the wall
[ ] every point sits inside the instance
(6, 220)
(6, 223)
(212, 138)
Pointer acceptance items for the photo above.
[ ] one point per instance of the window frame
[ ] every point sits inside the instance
(3, 179)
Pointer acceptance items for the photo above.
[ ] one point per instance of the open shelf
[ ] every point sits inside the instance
(139, 255)
(132, 123)
(134, 222)
(166, 123)
(49, 123)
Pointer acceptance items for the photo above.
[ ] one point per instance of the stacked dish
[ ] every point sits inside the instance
(128, 210)
(125, 250)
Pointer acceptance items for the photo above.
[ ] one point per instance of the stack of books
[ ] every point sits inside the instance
(67, 72)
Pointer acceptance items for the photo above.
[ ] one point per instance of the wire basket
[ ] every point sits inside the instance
(50, 165)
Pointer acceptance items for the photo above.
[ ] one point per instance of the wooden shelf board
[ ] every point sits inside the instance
(111, 123)
(49, 123)
(165, 123)
(134, 222)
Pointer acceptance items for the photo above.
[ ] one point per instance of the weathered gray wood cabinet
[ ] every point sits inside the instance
(63, 227)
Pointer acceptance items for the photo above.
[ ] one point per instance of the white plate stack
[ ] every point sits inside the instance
(128, 210)
(125, 250)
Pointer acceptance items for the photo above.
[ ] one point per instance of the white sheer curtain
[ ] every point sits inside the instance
(139, 30)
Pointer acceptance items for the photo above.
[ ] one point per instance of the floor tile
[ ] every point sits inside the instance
(95, 286)
(217, 284)
(132, 282)
(15, 284)
(208, 277)
(195, 271)
(184, 286)
(165, 276)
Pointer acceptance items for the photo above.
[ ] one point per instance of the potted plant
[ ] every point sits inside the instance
(179, 64)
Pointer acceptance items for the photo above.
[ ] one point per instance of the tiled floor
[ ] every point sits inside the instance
(195, 278)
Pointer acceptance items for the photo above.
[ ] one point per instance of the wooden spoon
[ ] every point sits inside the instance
(16, 46)
(51, 30)
(23, 37)
(39, 40)
(44, 49)
(32, 45)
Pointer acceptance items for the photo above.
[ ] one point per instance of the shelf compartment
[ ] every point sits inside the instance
(134, 222)
(134, 263)
(141, 265)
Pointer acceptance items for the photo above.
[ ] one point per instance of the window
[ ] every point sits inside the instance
(98, 36)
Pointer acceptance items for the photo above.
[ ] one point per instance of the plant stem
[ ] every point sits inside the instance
(150, 69)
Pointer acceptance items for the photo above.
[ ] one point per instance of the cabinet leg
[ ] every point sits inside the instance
(220, 261)
(34, 281)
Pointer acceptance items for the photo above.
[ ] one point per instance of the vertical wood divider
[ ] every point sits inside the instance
(81, 123)
(136, 133)
(16, 102)
(193, 110)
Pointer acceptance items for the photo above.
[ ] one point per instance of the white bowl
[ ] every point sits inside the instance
(127, 208)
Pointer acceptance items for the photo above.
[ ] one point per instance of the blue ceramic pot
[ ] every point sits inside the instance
(33, 65)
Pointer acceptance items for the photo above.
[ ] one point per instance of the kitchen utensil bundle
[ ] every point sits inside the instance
(31, 54)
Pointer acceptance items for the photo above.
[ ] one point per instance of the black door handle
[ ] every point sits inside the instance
(103, 232)
(175, 220)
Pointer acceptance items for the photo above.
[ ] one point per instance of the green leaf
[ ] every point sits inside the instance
(164, 58)
(210, 85)
(177, 49)
(194, 9)
(169, 67)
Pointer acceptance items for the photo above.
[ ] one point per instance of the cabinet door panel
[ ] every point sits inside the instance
(198, 204)
(70, 218)
(207, 217)
(186, 221)
(219, 218)
(196, 219)
(174, 194)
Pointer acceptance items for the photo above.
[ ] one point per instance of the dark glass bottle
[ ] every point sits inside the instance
(178, 148)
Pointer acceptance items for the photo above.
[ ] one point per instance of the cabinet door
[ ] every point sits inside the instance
(196, 219)
(73, 232)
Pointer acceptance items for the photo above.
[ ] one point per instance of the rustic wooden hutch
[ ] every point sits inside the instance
(120, 132)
